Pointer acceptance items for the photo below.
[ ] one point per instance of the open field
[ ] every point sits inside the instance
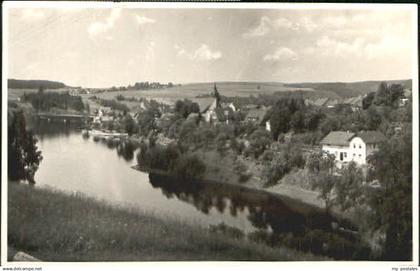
(54, 226)
(191, 91)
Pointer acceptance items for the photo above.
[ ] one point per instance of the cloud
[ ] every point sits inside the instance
(205, 53)
(144, 20)
(202, 53)
(267, 25)
(32, 14)
(261, 29)
(281, 54)
(284, 23)
(96, 28)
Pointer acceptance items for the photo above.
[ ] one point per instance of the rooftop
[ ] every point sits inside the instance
(341, 138)
(338, 138)
(370, 137)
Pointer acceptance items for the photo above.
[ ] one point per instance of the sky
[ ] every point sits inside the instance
(115, 47)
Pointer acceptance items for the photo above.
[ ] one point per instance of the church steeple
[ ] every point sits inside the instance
(216, 94)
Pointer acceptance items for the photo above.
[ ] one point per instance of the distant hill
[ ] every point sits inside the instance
(34, 84)
(346, 90)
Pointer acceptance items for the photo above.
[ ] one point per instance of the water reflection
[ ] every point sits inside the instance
(265, 210)
(124, 148)
(45, 129)
(278, 221)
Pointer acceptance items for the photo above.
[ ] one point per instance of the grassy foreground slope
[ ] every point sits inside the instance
(54, 226)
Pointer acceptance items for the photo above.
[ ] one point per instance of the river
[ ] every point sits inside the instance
(73, 163)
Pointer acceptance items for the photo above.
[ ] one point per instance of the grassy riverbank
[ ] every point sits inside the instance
(54, 226)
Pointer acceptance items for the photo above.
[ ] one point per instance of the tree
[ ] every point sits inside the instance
(23, 154)
(373, 118)
(146, 122)
(288, 112)
(259, 141)
(349, 188)
(130, 125)
(396, 93)
(320, 166)
(391, 203)
(368, 100)
(382, 95)
(186, 107)
(388, 95)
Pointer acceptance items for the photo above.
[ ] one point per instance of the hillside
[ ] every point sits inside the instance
(33, 84)
(345, 90)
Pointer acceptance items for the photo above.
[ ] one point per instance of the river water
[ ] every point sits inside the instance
(73, 163)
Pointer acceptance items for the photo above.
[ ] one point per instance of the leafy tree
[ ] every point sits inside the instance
(321, 166)
(186, 107)
(23, 154)
(130, 125)
(382, 95)
(368, 100)
(373, 118)
(396, 93)
(349, 188)
(330, 123)
(259, 141)
(388, 95)
(392, 202)
(146, 122)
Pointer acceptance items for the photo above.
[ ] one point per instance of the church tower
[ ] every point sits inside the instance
(216, 95)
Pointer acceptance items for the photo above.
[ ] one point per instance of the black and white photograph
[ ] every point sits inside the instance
(210, 132)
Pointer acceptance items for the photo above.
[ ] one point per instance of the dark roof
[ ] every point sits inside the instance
(204, 103)
(321, 101)
(355, 101)
(370, 137)
(258, 114)
(331, 102)
(338, 138)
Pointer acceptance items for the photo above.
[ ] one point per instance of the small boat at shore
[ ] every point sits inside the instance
(105, 133)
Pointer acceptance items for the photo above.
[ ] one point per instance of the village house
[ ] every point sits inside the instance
(355, 103)
(213, 111)
(209, 112)
(348, 146)
(258, 116)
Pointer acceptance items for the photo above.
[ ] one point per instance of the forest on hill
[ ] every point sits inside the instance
(34, 84)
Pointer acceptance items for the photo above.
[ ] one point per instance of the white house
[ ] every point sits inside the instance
(348, 146)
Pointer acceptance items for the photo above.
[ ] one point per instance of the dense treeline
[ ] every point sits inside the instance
(113, 104)
(386, 95)
(143, 86)
(149, 85)
(23, 154)
(34, 84)
(171, 159)
(45, 101)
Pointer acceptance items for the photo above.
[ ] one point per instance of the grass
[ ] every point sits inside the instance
(54, 226)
